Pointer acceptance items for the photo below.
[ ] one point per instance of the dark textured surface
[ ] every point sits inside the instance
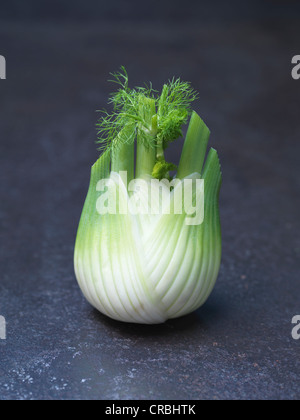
(239, 345)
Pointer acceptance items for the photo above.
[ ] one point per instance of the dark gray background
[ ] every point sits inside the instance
(238, 56)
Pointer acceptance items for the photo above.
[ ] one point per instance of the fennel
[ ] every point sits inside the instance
(149, 267)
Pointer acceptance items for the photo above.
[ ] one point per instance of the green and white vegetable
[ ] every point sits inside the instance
(143, 267)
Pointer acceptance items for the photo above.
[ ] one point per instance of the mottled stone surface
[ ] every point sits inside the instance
(239, 345)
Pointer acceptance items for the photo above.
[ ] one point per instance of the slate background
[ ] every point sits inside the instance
(238, 56)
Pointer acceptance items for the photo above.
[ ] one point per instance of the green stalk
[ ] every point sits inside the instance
(145, 159)
(123, 160)
(122, 156)
(146, 151)
(194, 149)
(160, 154)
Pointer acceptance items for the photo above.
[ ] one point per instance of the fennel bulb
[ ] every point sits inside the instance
(133, 264)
